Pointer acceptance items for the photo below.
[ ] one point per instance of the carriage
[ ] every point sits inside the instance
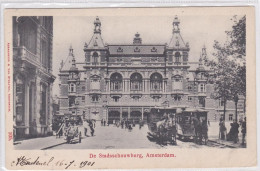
(192, 125)
(72, 134)
(162, 126)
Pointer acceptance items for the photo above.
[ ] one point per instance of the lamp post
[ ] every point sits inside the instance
(106, 109)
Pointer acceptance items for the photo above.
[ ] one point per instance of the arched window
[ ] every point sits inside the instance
(156, 81)
(95, 57)
(136, 80)
(116, 81)
(72, 88)
(177, 83)
(177, 57)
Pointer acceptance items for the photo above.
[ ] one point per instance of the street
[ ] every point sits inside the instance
(109, 137)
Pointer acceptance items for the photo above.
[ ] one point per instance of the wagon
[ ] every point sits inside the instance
(192, 125)
(73, 135)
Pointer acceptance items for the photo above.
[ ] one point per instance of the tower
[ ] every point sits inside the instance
(95, 70)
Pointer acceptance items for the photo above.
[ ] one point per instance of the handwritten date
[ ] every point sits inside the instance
(26, 161)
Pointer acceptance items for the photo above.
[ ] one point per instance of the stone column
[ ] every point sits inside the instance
(144, 89)
(108, 85)
(38, 104)
(26, 106)
(49, 122)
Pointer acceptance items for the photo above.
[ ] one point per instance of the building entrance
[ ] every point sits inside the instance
(113, 115)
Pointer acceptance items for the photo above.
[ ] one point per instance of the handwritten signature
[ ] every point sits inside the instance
(25, 161)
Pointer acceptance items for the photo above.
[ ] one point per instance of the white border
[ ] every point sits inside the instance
(125, 3)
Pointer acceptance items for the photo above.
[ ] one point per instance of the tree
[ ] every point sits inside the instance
(229, 64)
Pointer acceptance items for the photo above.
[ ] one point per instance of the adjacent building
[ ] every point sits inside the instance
(32, 74)
(119, 81)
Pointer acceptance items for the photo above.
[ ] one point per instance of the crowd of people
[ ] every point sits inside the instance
(62, 126)
(124, 123)
(232, 135)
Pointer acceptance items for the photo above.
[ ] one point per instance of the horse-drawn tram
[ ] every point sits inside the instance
(192, 125)
(162, 125)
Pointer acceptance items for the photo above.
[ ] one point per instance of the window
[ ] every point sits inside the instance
(136, 81)
(156, 81)
(72, 88)
(202, 88)
(221, 102)
(95, 57)
(83, 99)
(230, 117)
(71, 101)
(202, 101)
(116, 80)
(83, 88)
(189, 88)
(44, 53)
(189, 99)
(28, 35)
(95, 98)
(177, 57)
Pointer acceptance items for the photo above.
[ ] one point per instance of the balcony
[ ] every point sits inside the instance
(26, 55)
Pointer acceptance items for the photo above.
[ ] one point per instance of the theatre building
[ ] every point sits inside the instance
(32, 75)
(119, 81)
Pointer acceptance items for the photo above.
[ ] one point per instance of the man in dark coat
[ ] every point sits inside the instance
(234, 131)
(243, 125)
(222, 129)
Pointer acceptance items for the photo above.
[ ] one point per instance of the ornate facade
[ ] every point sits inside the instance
(33, 79)
(116, 81)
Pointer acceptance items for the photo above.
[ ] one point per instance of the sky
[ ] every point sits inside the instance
(75, 31)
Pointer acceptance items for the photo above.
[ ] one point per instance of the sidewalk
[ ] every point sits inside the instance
(38, 143)
(213, 133)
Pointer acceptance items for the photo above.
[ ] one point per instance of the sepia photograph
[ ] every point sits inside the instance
(119, 82)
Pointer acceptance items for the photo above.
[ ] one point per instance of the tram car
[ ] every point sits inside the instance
(162, 126)
(192, 125)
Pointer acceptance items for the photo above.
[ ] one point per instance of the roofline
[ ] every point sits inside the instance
(136, 44)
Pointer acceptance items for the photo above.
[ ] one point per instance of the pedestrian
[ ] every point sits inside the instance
(204, 128)
(104, 122)
(234, 128)
(243, 127)
(94, 123)
(85, 125)
(101, 122)
(222, 129)
(91, 128)
(208, 123)
(122, 124)
(60, 129)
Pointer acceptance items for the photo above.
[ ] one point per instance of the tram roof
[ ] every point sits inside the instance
(194, 110)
